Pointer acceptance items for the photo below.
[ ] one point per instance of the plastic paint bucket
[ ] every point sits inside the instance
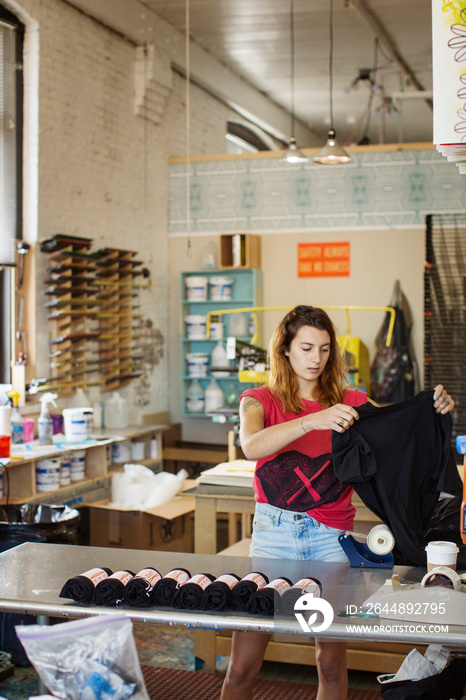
(221, 288)
(77, 423)
(48, 475)
(65, 471)
(196, 288)
(78, 465)
(195, 327)
(137, 451)
(121, 452)
(216, 330)
(198, 363)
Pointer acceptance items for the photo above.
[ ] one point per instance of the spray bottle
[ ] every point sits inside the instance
(16, 419)
(44, 422)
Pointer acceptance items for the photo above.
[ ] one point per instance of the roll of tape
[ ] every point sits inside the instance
(442, 576)
(380, 540)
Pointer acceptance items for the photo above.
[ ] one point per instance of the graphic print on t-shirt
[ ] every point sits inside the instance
(294, 481)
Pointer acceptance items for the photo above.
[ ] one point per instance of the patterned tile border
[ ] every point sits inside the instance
(394, 189)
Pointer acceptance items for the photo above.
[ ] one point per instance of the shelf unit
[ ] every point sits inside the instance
(246, 292)
(98, 466)
(93, 311)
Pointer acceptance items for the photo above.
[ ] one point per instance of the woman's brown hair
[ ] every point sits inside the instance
(282, 380)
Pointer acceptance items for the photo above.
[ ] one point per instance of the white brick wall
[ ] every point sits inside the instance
(103, 170)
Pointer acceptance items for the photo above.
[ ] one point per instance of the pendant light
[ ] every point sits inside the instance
(292, 154)
(332, 153)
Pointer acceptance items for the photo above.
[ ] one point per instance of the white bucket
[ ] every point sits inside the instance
(195, 327)
(48, 475)
(121, 452)
(77, 424)
(221, 288)
(78, 466)
(65, 471)
(216, 330)
(198, 363)
(196, 288)
(137, 451)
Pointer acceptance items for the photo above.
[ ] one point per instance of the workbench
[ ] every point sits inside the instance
(32, 575)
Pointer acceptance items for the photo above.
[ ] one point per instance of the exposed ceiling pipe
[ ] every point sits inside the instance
(389, 46)
(413, 95)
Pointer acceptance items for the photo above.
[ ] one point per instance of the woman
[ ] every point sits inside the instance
(286, 426)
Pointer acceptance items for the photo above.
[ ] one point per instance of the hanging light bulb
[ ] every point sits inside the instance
(292, 153)
(332, 153)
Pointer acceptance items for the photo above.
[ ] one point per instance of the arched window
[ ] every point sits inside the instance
(242, 138)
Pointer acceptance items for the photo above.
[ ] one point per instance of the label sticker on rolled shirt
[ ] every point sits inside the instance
(201, 580)
(95, 575)
(123, 576)
(178, 575)
(309, 585)
(230, 580)
(150, 575)
(256, 578)
(280, 585)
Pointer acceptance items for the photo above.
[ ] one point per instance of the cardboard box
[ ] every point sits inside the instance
(166, 528)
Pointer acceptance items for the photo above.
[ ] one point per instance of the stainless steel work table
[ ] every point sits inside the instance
(32, 574)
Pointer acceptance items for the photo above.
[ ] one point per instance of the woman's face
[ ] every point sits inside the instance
(309, 352)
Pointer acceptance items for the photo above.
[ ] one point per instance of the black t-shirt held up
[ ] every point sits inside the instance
(394, 458)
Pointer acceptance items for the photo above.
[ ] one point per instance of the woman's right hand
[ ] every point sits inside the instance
(339, 418)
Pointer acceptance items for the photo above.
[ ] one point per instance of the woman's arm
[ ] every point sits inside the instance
(258, 442)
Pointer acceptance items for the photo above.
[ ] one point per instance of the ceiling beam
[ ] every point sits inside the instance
(141, 25)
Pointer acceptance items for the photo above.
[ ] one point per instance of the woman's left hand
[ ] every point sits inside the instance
(443, 403)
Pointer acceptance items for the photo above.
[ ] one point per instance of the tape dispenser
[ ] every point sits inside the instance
(375, 552)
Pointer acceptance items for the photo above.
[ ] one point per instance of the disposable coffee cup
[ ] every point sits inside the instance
(441, 554)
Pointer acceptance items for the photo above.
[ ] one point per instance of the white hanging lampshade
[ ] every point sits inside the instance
(332, 153)
(292, 153)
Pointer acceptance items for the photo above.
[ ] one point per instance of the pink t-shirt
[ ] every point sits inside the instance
(300, 477)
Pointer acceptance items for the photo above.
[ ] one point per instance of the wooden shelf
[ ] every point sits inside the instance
(98, 465)
(240, 250)
(93, 311)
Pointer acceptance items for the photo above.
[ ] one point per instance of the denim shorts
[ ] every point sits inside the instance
(286, 534)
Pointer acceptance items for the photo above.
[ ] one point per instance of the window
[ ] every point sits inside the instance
(244, 138)
(11, 132)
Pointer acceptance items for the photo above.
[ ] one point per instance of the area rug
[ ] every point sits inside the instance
(169, 683)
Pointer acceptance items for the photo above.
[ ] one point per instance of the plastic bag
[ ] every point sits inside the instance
(90, 659)
(445, 685)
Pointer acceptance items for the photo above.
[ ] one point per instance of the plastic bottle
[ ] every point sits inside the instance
(116, 411)
(195, 397)
(16, 420)
(213, 396)
(44, 422)
(209, 256)
(251, 325)
(231, 396)
(154, 448)
(79, 399)
(219, 358)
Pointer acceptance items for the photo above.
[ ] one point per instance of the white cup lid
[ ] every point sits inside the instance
(441, 546)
